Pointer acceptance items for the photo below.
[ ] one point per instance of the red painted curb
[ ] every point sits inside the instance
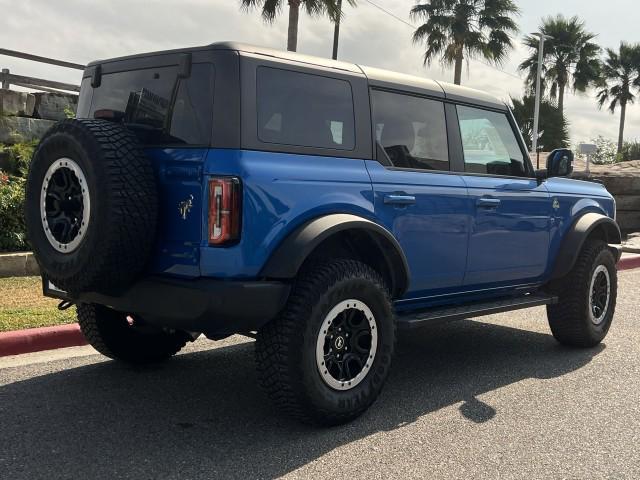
(37, 339)
(627, 263)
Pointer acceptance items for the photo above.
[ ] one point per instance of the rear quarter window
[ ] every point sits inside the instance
(411, 130)
(158, 106)
(305, 110)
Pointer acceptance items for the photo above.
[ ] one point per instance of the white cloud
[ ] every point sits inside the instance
(83, 30)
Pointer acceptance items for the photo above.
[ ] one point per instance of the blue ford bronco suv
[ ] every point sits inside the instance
(316, 205)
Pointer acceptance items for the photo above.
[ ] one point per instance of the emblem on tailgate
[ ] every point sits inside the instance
(185, 206)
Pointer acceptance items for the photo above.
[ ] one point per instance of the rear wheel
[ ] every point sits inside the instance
(127, 337)
(587, 298)
(325, 358)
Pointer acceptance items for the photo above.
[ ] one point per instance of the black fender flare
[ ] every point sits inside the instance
(289, 256)
(576, 236)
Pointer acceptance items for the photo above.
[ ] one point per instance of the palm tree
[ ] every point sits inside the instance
(271, 8)
(569, 58)
(552, 122)
(459, 29)
(620, 76)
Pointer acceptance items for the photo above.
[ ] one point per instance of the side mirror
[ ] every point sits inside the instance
(560, 163)
(541, 175)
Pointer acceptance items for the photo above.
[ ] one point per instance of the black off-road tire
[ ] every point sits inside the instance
(286, 347)
(112, 334)
(120, 234)
(570, 319)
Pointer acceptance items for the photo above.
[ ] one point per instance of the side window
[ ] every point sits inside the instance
(412, 130)
(304, 109)
(489, 144)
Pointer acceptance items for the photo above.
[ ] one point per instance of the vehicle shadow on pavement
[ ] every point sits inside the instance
(202, 415)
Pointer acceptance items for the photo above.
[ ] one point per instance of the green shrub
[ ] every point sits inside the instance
(13, 231)
(19, 156)
(630, 151)
(69, 112)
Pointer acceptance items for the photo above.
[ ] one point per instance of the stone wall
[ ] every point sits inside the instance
(16, 103)
(27, 116)
(626, 191)
(22, 129)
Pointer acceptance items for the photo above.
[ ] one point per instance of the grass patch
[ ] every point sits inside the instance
(23, 306)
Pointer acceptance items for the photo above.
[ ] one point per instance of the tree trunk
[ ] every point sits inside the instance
(623, 114)
(294, 15)
(457, 76)
(336, 33)
(561, 88)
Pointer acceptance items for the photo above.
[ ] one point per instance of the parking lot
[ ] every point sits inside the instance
(494, 398)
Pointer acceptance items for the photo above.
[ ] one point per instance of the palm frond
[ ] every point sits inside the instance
(620, 74)
(476, 28)
(269, 8)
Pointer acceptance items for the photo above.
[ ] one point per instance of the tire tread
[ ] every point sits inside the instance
(281, 376)
(567, 318)
(127, 234)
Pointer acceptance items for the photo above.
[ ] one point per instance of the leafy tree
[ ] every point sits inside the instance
(620, 77)
(552, 122)
(271, 9)
(570, 58)
(457, 29)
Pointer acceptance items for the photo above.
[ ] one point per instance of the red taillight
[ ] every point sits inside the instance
(224, 210)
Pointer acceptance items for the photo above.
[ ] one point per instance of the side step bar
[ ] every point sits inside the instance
(477, 309)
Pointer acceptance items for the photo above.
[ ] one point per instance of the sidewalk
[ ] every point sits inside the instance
(632, 244)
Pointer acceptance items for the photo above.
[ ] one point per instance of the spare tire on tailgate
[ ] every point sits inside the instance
(91, 206)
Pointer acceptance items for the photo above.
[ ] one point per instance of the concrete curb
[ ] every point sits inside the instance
(36, 339)
(19, 264)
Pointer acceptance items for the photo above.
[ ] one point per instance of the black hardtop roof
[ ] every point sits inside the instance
(375, 76)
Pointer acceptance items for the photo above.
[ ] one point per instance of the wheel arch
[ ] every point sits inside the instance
(590, 225)
(337, 234)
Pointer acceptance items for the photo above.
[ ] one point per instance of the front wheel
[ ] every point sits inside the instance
(587, 298)
(324, 360)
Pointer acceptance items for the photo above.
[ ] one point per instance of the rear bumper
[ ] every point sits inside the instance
(213, 307)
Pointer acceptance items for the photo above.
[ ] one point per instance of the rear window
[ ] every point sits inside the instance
(411, 130)
(158, 106)
(304, 110)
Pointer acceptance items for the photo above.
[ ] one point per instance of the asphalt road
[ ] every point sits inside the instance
(495, 398)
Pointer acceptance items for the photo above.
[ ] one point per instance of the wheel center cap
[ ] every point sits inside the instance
(339, 343)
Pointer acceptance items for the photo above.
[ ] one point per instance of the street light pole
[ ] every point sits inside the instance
(336, 32)
(536, 114)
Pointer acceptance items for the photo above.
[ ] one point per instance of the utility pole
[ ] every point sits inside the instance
(536, 114)
(336, 32)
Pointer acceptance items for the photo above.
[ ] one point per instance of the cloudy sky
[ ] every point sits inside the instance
(85, 30)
